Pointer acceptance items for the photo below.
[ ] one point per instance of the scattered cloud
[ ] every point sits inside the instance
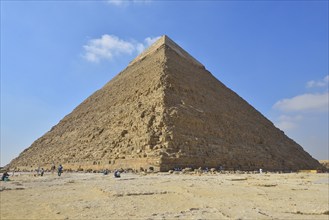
(147, 42)
(295, 111)
(106, 47)
(116, 2)
(121, 3)
(319, 83)
(305, 102)
(109, 46)
(286, 122)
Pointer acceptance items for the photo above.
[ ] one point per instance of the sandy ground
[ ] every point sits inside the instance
(166, 196)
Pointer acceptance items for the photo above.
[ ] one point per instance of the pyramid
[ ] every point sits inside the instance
(165, 110)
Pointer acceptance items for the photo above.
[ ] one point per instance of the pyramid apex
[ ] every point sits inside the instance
(164, 40)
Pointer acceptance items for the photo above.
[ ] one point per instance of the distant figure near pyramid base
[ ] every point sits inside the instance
(165, 110)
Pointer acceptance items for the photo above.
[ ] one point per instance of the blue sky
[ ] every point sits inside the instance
(54, 54)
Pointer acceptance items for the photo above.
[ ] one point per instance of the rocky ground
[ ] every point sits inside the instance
(165, 196)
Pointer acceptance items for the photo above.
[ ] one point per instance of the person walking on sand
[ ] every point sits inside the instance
(60, 170)
(42, 172)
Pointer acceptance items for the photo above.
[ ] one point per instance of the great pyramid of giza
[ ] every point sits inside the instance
(165, 110)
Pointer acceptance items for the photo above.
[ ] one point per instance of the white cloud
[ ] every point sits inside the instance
(305, 116)
(149, 40)
(126, 2)
(109, 46)
(286, 122)
(116, 2)
(306, 102)
(106, 47)
(140, 47)
(319, 83)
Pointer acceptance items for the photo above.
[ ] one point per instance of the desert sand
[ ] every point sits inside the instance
(165, 196)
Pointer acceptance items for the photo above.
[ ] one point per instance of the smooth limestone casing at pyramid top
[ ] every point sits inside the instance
(165, 110)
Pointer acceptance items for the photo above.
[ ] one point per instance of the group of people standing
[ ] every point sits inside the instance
(53, 168)
(40, 172)
(59, 169)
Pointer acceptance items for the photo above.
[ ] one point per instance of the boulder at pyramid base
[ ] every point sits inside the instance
(165, 110)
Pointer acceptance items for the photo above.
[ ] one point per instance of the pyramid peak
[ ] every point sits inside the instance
(164, 40)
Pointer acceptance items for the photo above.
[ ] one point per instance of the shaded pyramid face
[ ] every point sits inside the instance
(165, 110)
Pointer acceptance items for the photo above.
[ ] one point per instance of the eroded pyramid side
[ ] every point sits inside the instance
(214, 127)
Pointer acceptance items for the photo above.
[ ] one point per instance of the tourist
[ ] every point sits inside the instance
(42, 172)
(5, 176)
(53, 168)
(117, 174)
(60, 170)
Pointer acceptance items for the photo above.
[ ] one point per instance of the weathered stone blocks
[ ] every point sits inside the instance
(164, 111)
